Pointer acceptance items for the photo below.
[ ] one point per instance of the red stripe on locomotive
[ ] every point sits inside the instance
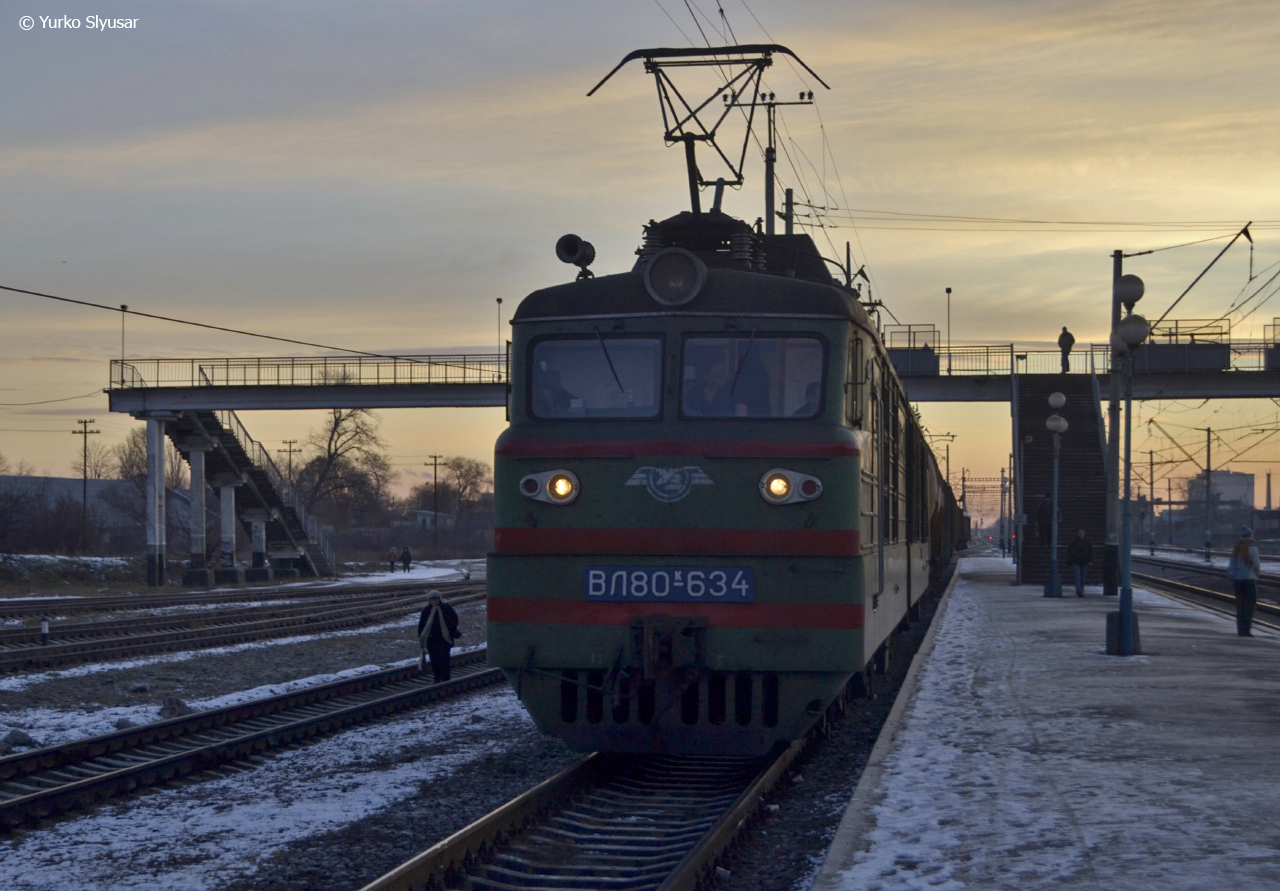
(681, 542)
(614, 448)
(718, 615)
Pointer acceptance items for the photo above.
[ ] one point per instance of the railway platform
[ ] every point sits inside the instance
(1021, 756)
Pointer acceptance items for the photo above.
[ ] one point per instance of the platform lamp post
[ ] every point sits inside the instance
(1132, 330)
(948, 331)
(1057, 426)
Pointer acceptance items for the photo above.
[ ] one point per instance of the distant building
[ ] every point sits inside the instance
(1225, 487)
(429, 519)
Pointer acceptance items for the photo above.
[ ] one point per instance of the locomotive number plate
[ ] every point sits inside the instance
(671, 584)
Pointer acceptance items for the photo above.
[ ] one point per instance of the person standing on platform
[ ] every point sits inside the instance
(1242, 569)
(1065, 343)
(392, 556)
(1079, 553)
(1044, 518)
(437, 630)
(405, 559)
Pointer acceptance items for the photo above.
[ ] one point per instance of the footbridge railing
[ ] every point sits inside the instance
(310, 371)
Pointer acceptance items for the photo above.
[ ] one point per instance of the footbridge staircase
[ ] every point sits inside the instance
(262, 493)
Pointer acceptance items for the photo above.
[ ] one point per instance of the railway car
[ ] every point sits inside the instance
(713, 504)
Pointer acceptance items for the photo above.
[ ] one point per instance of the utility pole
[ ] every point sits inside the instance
(84, 483)
(1208, 503)
(435, 500)
(500, 350)
(290, 451)
(1111, 552)
(1151, 474)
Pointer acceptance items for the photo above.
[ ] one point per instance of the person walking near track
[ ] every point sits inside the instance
(405, 558)
(1242, 569)
(392, 556)
(437, 630)
(1079, 553)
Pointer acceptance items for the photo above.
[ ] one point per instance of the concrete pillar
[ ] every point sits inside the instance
(259, 537)
(197, 509)
(155, 502)
(259, 571)
(228, 495)
(198, 573)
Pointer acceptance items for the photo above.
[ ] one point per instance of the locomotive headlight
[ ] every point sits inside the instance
(780, 486)
(551, 486)
(777, 487)
(561, 487)
(674, 276)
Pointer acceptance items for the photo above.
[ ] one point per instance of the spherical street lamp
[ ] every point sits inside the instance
(1057, 426)
(1131, 331)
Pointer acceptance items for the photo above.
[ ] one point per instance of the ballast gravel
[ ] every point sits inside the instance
(507, 755)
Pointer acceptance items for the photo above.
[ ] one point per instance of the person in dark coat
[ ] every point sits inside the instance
(1243, 572)
(1079, 553)
(437, 630)
(1044, 518)
(405, 559)
(1065, 342)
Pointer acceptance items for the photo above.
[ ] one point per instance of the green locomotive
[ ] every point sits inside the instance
(714, 504)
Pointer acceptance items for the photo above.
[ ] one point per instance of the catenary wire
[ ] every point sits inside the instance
(176, 321)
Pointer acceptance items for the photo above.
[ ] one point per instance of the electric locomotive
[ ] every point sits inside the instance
(714, 504)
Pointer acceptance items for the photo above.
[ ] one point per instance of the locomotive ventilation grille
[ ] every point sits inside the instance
(717, 698)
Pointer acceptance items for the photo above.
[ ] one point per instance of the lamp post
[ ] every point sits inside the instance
(1129, 334)
(948, 330)
(1057, 426)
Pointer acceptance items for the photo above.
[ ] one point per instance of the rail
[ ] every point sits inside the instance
(309, 371)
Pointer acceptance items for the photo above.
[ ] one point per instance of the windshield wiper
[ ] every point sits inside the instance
(742, 363)
(608, 359)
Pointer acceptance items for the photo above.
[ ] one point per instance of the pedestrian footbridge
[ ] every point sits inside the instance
(192, 403)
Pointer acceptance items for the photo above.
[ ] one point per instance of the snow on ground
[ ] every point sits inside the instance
(204, 836)
(57, 727)
(1020, 762)
(45, 597)
(57, 558)
(22, 682)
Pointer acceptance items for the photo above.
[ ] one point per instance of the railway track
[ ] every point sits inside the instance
(37, 607)
(635, 822)
(54, 779)
(1267, 615)
(21, 649)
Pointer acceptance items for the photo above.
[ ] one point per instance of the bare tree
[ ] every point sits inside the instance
(101, 462)
(7, 468)
(131, 455)
(470, 478)
(347, 441)
(130, 461)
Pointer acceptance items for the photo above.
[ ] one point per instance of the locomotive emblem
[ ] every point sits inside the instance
(668, 484)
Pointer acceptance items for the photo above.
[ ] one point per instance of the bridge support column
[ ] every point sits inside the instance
(260, 571)
(198, 573)
(228, 573)
(155, 494)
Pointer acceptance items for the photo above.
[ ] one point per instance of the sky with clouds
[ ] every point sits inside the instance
(373, 175)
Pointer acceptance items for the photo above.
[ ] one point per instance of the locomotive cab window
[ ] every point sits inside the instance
(596, 377)
(752, 377)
